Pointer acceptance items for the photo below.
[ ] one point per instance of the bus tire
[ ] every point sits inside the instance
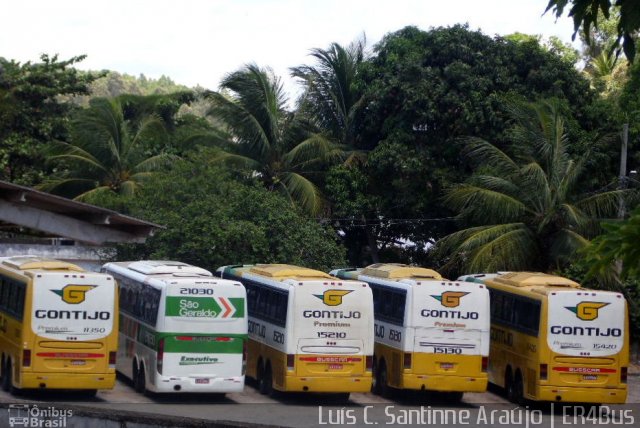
(518, 389)
(134, 372)
(509, 385)
(385, 389)
(375, 385)
(6, 376)
(140, 383)
(454, 396)
(266, 383)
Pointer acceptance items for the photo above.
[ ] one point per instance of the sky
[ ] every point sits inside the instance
(197, 42)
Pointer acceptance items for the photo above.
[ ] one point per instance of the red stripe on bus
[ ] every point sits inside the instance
(68, 355)
(583, 370)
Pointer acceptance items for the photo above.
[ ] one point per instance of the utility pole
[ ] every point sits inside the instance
(623, 168)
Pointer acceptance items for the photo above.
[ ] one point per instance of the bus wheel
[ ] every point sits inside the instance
(518, 389)
(266, 382)
(140, 383)
(454, 396)
(385, 390)
(375, 385)
(509, 386)
(6, 376)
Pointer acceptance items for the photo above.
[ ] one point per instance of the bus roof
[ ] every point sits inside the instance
(399, 271)
(537, 282)
(280, 272)
(29, 262)
(163, 267)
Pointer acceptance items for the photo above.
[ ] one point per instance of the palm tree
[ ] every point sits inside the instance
(271, 142)
(527, 211)
(331, 96)
(106, 153)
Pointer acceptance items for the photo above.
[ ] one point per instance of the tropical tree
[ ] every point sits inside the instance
(34, 109)
(212, 219)
(332, 97)
(586, 13)
(524, 211)
(267, 139)
(105, 153)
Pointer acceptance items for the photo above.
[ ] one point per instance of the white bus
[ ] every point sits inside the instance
(308, 331)
(181, 329)
(430, 333)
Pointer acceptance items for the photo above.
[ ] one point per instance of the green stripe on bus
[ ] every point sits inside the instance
(238, 304)
(204, 307)
(222, 344)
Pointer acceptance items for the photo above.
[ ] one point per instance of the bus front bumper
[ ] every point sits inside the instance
(327, 384)
(67, 380)
(446, 383)
(583, 395)
(195, 384)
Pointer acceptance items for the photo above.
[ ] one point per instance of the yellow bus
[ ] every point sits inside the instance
(552, 340)
(430, 333)
(58, 326)
(308, 331)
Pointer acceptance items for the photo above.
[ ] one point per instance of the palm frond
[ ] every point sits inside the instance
(303, 192)
(483, 204)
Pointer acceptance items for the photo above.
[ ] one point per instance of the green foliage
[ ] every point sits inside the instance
(628, 286)
(424, 89)
(587, 13)
(106, 153)
(213, 220)
(620, 242)
(526, 211)
(332, 97)
(32, 112)
(268, 140)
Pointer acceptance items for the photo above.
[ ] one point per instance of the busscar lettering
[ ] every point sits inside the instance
(72, 315)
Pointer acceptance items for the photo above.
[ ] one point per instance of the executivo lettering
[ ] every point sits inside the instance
(196, 361)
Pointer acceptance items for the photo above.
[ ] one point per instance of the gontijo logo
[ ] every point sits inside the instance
(450, 299)
(74, 294)
(587, 311)
(332, 297)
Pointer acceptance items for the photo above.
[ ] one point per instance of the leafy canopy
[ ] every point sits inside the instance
(524, 211)
(213, 220)
(106, 153)
(585, 13)
(268, 140)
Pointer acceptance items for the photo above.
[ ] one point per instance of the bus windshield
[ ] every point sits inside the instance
(586, 323)
(80, 308)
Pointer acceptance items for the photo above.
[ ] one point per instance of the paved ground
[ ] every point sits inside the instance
(307, 411)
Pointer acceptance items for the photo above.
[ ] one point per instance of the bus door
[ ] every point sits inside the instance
(71, 315)
(334, 327)
(450, 322)
(208, 328)
(586, 333)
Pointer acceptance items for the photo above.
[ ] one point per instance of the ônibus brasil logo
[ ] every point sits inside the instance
(332, 297)
(450, 299)
(587, 311)
(74, 294)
